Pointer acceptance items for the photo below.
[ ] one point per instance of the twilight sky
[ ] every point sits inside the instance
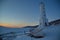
(19, 13)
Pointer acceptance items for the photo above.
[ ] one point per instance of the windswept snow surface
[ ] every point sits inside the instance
(50, 33)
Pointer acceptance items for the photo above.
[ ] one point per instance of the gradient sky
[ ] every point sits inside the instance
(27, 12)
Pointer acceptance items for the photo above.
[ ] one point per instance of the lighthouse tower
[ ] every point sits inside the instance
(43, 22)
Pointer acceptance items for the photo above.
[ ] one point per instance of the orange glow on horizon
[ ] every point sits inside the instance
(10, 25)
(14, 26)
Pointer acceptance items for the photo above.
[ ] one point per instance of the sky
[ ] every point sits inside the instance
(20, 13)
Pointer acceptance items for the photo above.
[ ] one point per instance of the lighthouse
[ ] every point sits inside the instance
(43, 22)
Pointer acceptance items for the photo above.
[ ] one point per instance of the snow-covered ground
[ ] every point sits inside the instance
(50, 33)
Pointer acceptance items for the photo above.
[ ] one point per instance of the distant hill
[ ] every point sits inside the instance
(55, 22)
(4, 29)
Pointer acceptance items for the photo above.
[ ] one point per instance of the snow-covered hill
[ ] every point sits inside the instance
(50, 33)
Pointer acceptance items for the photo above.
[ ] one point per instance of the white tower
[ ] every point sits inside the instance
(43, 20)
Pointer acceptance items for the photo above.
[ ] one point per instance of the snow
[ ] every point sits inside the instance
(50, 33)
(23, 37)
